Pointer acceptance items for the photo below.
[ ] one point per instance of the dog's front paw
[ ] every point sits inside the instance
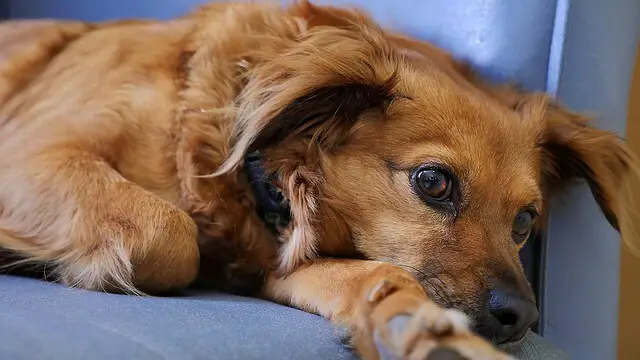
(407, 327)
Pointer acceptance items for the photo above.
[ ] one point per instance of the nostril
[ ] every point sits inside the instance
(506, 317)
(512, 315)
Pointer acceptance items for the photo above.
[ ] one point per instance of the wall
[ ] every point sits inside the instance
(628, 332)
(582, 264)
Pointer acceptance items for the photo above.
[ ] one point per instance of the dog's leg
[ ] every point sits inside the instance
(70, 209)
(387, 312)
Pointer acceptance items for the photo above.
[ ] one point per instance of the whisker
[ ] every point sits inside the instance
(438, 292)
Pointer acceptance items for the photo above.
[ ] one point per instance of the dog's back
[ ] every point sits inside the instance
(72, 88)
(27, 47)
(77, 96)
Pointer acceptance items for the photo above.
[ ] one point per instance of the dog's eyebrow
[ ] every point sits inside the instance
(393, 165)
(534, 207)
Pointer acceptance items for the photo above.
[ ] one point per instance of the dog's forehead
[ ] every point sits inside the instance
(487, 143)
(440, 111)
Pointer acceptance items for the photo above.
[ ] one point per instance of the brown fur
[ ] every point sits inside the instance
(123, 143)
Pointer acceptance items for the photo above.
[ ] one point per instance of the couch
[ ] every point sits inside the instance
(581, 51)
(43, 321)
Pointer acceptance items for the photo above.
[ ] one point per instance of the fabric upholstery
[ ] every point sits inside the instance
(47, 321)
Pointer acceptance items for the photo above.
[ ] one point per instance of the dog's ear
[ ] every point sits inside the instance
(324, 112)
(301, 103)
(317, 87)
(571, 148)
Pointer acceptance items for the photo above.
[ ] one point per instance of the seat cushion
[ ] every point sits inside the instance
(41, 320)
(46, 321)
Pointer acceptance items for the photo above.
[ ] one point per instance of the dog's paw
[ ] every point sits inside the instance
(408, 327)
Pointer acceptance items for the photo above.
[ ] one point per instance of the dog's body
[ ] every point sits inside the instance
(122, 165)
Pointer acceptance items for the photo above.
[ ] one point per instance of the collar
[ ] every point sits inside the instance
(272, 207)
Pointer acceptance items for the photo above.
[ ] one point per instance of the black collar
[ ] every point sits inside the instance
(272, 207)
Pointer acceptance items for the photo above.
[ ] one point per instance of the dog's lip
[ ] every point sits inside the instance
(515, 338)
(434, 287)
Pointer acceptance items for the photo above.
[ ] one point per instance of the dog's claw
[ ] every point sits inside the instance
(396, 327)
(399, 324)
(380, 291)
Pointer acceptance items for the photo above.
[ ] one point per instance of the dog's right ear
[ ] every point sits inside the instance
(302, 101)
(317, 88)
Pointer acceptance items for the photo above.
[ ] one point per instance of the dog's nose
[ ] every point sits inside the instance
(512, 315)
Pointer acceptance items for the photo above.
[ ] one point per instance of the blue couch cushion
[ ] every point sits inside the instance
(46, 321)
(41, 320)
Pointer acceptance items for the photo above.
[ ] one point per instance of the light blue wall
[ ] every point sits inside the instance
(593, 73)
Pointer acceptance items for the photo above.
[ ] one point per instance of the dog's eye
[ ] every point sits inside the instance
(522, 225)
(433, 183)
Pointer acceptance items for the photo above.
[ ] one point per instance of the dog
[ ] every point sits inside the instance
(298, 153)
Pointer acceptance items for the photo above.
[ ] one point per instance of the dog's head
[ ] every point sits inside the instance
(384, 154)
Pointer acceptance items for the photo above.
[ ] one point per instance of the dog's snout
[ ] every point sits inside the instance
(511, 315)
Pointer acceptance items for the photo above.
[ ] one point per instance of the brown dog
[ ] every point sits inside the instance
(138, 155)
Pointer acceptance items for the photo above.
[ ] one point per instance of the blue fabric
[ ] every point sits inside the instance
(44, 321)
(90, 10)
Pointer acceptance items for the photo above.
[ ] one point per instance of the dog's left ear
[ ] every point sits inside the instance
(573, 149)
(298, 105)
